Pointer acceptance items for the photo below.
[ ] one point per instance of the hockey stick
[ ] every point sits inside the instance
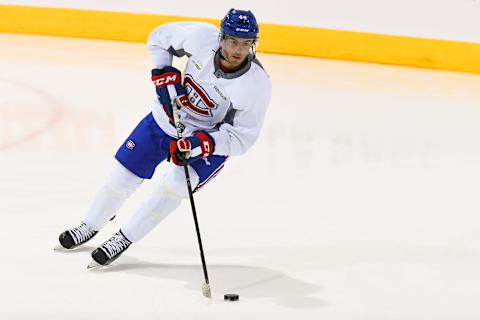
(206, 286)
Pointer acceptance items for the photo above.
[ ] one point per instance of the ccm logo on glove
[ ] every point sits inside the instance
(168, 85)
(165, 79)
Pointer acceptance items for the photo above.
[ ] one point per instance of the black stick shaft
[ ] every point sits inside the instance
(176, 119)
(192, 203)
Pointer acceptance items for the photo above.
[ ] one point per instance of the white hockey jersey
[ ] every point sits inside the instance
(230, 106)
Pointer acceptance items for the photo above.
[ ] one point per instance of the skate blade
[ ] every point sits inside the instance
(94, 265)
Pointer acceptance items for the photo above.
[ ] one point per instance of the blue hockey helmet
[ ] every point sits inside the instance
(239, 23)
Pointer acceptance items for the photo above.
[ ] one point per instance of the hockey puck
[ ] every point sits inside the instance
(231, 297)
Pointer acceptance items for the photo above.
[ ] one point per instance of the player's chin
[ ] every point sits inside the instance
(236, 61)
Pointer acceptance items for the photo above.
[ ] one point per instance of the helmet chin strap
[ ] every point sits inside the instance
(254, 50)
(222, 56)
(224, 68)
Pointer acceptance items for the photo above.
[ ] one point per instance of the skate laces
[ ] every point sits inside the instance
(82, 233)
(115, 244)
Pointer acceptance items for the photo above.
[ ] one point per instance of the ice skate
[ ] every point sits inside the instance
(75, 237)
(110, 250)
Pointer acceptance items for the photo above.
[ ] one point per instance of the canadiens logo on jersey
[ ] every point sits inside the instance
(199, 101)
(130, 145)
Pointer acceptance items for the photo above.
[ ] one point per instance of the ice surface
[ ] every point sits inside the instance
(359, 200)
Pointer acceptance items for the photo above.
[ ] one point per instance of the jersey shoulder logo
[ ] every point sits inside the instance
(196, 64)
(198, 99)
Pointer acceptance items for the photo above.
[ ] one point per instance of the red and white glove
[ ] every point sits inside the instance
(198, 146)
(168, 85)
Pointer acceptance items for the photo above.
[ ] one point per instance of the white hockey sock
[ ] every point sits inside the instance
(109, 199)
(145, 218)
(170, 192)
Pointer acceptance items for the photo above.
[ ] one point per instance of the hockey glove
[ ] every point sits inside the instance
(199, 145)
(168, 84)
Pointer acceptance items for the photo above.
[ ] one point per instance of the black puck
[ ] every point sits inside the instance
(231, 297)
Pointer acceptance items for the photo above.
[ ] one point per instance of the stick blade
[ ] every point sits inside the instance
(206, 290)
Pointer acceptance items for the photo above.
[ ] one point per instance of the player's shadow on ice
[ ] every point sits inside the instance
(253, 282)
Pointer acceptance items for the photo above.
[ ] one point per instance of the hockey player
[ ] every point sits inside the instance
(224, 95)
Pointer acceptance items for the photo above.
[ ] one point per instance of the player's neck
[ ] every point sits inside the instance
(225, 66)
